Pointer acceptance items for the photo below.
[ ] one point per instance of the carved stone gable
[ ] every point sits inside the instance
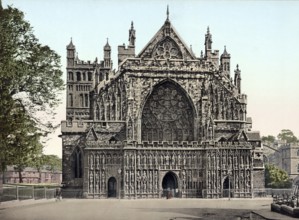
(91, 135)
(166, 46)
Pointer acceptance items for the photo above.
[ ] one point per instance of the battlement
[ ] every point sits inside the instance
(83, 126)
(242, 98)
(125, 52)
(161, 65)
(186, 145)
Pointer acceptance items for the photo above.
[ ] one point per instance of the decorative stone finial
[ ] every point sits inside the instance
(167, 13)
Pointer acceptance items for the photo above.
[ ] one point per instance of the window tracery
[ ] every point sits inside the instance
(167, 115)
(167, 49)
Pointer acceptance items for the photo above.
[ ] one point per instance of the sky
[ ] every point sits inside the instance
(261, 36)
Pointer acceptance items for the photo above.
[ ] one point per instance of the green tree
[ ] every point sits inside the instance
(50, 162)
(268, 138)
(30, 83)
(24, 144)
(288, 136)
(276, 178)
(53, 162)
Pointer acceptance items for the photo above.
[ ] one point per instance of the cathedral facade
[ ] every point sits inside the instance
(165, 122)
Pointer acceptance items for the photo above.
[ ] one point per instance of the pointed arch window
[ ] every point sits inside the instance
(77, 163)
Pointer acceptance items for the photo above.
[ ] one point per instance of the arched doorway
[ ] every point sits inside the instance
(170, 185)
(112, 186)
(227, 188)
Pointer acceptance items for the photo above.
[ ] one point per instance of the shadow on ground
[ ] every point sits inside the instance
(204, 213)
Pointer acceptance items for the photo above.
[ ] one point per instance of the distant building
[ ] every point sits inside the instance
(32, 175)
(165, 120)
(285, 156)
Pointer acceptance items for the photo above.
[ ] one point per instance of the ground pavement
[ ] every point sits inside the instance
(144, 209)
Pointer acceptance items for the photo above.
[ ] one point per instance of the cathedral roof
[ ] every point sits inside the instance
(166, 44)
(253, 136)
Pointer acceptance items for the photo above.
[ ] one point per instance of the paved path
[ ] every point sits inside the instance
(173, 209)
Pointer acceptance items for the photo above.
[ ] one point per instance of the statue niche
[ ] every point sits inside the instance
(167, 115)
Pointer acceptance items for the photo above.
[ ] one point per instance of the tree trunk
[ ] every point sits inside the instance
(20, 176)
(39, 176)
(1, 185)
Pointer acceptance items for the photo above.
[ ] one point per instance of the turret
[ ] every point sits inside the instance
(208, 44)
(132, 36)
(124, 52)
(167, 24)
(237, 80)
(225, 63)
(71, 50)
(107, 56)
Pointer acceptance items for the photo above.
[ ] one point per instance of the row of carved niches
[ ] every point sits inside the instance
(229, 159)
(163, 159)
(168, 112)
(240, 180)
(96, 161)
(147, 181)
(97, 181)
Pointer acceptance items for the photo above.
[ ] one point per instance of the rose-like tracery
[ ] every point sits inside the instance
(167, 115)
(167, 49)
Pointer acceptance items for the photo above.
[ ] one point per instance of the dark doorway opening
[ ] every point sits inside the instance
(170, 185)
(227, 188)
(112, 186)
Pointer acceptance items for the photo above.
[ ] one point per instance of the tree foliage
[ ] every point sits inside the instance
(30, 81)
(268, 138)
(288, 136)
(276, 178)
(52, 162)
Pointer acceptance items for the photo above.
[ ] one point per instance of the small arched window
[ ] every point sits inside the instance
(89, 76)
(77, 163)
(86, 100)
(84, 76)
(71, 76)
(71, 100)
(78, 76)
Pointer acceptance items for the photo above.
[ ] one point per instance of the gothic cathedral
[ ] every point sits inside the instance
(164, 123)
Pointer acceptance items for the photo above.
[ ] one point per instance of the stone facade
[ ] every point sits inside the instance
(166, 120)
(286, 157)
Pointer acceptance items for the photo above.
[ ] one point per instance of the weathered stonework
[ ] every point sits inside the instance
(165, 121)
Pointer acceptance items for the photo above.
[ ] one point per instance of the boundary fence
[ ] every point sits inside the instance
(19, 192)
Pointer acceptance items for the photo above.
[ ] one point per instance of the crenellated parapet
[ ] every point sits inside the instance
(167, 65)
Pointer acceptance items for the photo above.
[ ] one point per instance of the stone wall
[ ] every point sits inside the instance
(258, 179)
